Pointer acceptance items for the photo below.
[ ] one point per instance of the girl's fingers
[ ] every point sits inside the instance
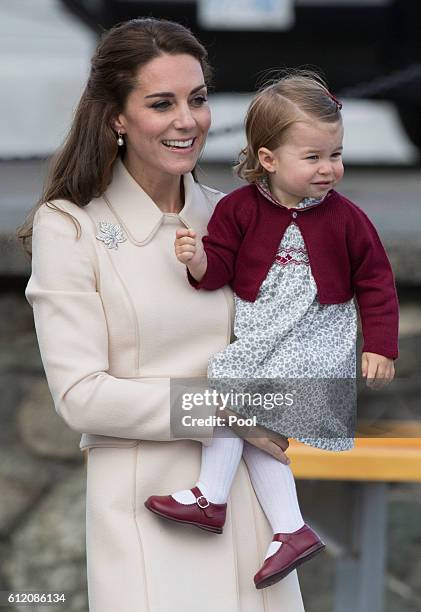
(371, 372)
(381, 376)
(390, 373)
(186, 248)
(184, 231)
(364, 365)
(185, 257)
(381, 371)
(185, 240)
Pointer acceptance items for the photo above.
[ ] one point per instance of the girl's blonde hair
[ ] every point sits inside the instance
(296, 96)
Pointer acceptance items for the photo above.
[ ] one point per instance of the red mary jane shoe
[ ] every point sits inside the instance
(201, 513)
(297, 548)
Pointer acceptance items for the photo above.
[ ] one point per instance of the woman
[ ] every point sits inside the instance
(115, 319)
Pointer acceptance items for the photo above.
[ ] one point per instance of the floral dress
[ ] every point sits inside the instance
(287, 334)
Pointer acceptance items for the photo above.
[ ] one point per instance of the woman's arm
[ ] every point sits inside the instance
(72, 334)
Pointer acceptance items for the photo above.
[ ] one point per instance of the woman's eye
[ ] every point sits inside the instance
(199, 100)
(161, 105)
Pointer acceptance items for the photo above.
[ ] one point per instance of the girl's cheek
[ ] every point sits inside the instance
(340, 170)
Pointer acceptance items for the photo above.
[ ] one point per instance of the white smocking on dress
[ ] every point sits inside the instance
(287, 334)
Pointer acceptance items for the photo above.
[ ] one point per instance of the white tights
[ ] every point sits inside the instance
(272, 481)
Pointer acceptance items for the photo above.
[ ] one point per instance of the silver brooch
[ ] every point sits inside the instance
(111, 234)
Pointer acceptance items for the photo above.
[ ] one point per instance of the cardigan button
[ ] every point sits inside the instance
(294, 215)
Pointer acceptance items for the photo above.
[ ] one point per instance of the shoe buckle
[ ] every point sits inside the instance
(202, 497)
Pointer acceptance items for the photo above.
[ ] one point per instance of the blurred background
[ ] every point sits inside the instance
(370, 53)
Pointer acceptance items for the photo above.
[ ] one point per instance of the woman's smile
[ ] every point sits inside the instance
(180, 146)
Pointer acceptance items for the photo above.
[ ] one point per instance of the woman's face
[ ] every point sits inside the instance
(167, 117)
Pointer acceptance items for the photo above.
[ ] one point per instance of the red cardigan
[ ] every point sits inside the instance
(346, 256)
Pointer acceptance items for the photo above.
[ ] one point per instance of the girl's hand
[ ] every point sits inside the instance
(266, 440)
(185, 245)
(378, 370)
(190, 251)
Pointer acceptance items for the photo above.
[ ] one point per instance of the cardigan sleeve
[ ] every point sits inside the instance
(375, 289)
(72, 335)
(221, 244)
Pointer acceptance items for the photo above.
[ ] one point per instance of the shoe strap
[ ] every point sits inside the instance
(284, 537)
(202, 502)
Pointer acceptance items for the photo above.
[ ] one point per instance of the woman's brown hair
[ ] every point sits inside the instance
(296, 96)
(82, 168)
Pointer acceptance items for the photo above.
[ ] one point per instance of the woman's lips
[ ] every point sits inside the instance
(180, 145)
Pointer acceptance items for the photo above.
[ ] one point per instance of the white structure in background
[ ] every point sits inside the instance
(44, 62)
(246, 14)
(373, 131)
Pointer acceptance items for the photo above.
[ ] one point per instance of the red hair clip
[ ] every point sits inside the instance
(332, 97)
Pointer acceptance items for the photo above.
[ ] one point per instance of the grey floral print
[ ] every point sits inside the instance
(287, 334)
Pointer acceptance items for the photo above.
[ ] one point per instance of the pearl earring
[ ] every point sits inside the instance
(120, 140)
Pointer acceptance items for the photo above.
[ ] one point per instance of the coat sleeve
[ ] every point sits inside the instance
(375, 289)
(221, 244)
(72, 334)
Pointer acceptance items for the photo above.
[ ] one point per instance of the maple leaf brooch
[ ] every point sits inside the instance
(110, 234)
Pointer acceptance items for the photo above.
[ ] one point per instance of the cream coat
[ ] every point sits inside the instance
(113, 326)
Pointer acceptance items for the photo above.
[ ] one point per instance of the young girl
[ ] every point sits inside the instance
(296, 252)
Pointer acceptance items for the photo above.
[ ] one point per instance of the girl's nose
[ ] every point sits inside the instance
(325, 168)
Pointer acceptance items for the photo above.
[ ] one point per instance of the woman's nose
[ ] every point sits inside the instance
(184, 119)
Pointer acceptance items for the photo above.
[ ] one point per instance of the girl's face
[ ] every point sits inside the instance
(307, 164)
(167, 117)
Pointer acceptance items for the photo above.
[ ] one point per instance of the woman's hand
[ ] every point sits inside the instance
(271, 443)
(266, 440)
(378, 370)
(190, 251)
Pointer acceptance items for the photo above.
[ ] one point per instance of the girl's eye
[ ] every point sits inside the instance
(312, 157)
(199, 100)
(338, 154)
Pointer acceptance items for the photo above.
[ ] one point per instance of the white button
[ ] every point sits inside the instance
(294, 215)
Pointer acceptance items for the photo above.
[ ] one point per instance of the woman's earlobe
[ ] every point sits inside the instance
(116, 124)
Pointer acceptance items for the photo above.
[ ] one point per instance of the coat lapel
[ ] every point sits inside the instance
(138, 215)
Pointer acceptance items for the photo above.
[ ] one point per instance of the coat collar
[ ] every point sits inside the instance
(138, 214)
